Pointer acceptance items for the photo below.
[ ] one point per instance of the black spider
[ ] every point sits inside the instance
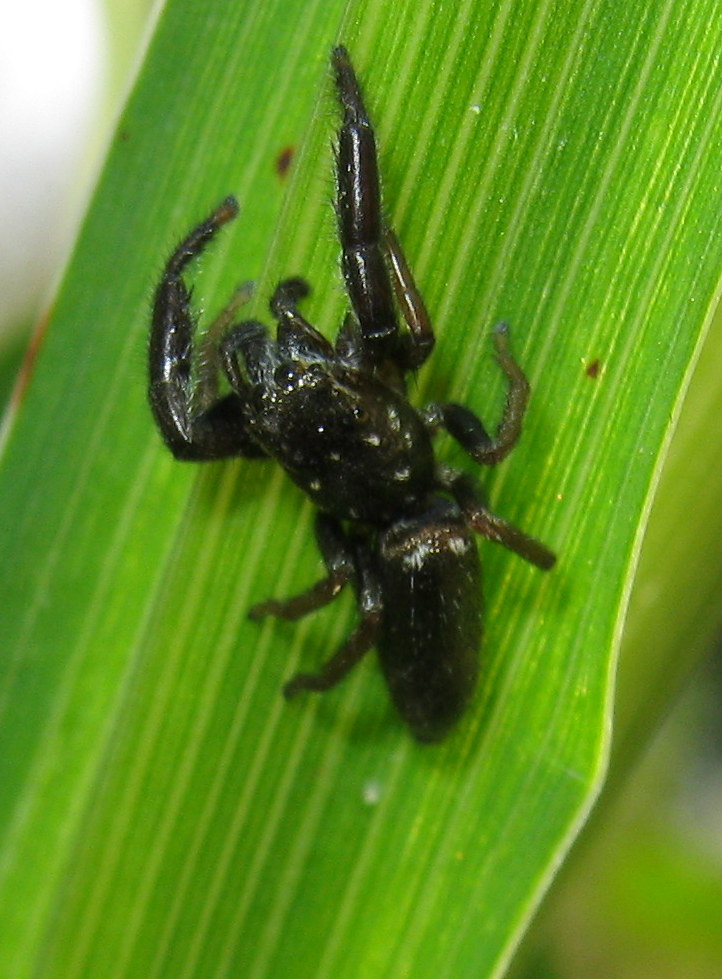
(394, 523)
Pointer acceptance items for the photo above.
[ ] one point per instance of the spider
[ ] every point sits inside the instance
(392, 522)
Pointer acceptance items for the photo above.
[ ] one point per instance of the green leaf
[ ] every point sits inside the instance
(165, 812)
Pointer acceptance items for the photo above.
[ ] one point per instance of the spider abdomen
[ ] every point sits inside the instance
(431, 628)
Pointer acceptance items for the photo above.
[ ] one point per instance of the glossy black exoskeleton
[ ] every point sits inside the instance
(393, 523)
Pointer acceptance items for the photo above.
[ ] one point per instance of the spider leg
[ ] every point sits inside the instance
(337, 556)
(249, 340)
(489, 525)
(210, 365)
(347, 561)
(335, 669)
(297, 339)
(464, 426)
(420, 339)
(213, 431)
(359, 219)
(355, 647)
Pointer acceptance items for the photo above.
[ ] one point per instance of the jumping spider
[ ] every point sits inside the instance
(392, 522)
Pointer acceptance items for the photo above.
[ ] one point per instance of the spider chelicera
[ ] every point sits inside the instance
(393, 522)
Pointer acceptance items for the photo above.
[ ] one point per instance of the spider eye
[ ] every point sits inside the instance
(285, 377)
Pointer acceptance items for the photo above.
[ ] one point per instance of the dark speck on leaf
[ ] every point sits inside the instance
(284, 160)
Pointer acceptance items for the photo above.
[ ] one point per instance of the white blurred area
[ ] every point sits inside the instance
(52, 65)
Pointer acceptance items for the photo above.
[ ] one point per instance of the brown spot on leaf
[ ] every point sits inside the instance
(283, 161)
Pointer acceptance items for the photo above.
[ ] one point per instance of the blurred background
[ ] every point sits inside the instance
(64, 72)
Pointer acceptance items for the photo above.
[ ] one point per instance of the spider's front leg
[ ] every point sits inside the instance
(374, 266)
(214, 431)
(359, 218)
